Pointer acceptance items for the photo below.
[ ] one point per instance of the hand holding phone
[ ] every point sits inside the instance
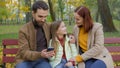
(50, 49)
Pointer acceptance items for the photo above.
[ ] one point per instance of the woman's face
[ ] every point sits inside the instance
(62, 29)
(78, 19)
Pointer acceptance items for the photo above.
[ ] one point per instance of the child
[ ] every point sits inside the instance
(64, 47)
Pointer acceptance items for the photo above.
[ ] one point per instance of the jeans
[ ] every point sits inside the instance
(41, 63)
(94, 63)
(62, 64)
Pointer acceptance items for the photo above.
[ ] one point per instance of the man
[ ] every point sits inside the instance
(33, 40)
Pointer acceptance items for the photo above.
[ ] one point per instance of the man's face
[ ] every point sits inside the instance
(40, 16)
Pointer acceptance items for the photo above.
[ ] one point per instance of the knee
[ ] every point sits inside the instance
(43, 65)
(23, 65)
(98, 64)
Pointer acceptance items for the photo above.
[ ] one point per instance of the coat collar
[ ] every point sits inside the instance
(89, 36)
(33, 31)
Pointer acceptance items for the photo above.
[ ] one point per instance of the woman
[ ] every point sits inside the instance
(90, 41)
(64, 49)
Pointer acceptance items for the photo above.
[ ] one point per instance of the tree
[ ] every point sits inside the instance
(114, 5)
(106, 16)
(28, 14)
(61, 8)
(52, 12)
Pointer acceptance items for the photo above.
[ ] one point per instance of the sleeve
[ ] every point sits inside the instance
(78, 58)
(24, 50)
(73, 50)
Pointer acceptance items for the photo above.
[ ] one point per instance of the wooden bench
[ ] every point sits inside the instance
(9, 51)
(114, 50)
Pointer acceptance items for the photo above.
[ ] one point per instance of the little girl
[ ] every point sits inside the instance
(64, 47)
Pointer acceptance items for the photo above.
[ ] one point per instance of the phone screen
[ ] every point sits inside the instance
(50, 49)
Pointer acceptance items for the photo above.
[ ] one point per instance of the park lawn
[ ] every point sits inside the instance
(11, 31)
(7, 29)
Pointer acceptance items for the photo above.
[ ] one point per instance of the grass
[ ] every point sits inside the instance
(117, 24)
(7, 29)
(7, 36)
(11, 31)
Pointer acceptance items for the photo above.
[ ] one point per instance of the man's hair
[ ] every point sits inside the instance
(39, 5)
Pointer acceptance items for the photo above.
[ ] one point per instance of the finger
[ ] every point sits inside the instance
(44, 50)
(51, 54)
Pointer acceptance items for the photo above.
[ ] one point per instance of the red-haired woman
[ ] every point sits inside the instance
(89, 38)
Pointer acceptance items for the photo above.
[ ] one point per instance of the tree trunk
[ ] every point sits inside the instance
(61, 8)
(28, 14)
(18, 12)
(97, 16)
(70, 17)
(52, 13)
(106, 16)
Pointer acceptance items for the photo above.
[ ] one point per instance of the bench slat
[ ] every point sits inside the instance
(6, 51)
(116, 58)
(12, 42)
(113, 48)
(8, 59)
(117, 67)
(112, 40)
(10, 51)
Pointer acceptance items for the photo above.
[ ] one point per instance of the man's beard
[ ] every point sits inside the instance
(40, 23)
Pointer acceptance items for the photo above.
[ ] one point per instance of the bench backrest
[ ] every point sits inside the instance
(114, 50)
(7, 52)
(112, 40)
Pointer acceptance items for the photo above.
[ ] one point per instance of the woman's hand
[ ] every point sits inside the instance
(72, 59)
(68, 64)
(72, 39)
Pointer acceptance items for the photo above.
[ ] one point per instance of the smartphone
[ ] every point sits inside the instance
(50, 49)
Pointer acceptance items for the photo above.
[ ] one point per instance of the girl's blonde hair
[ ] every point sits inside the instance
(54, 27)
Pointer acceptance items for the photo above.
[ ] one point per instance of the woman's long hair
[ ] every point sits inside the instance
(87, 19)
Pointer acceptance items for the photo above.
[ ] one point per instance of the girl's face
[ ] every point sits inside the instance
(62, 29)
(78, 19)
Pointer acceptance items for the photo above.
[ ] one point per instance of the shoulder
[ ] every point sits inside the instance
(97, 25)
(97, 28)
(47, 25)
(26, 26)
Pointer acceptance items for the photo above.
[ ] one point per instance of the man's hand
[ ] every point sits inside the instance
(46, 54)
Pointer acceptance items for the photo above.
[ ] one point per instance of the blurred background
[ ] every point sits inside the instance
(15, 13)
